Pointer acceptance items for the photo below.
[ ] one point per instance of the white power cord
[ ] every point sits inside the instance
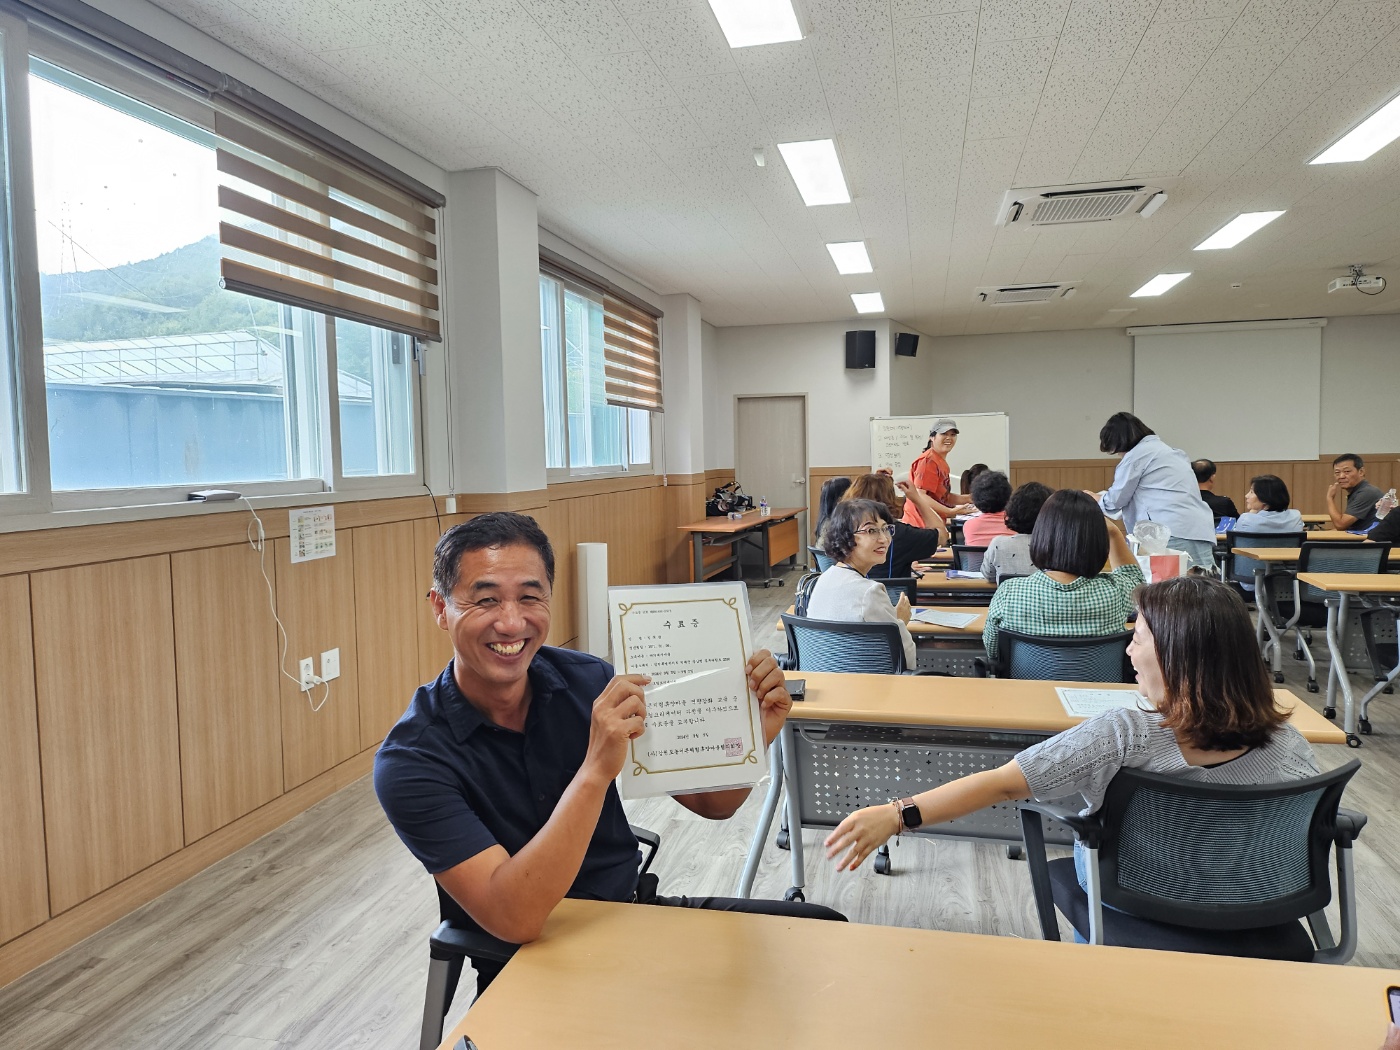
(259, 544)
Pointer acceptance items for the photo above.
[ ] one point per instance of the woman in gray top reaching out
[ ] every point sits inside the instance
(1212, 718)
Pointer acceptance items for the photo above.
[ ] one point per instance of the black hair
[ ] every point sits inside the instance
(970, 476)
(839, 539)
(1024, 506)
(1122, 433)
(1270, 490)
(1359, 463)
(496, 529)
(832, 491)
(1205, 469)
(1070, 535)
(991, 490)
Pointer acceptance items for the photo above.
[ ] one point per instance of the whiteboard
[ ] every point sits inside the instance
(1231, 393)
(983, 437)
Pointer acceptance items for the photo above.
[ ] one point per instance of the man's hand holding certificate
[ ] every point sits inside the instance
(704, 726)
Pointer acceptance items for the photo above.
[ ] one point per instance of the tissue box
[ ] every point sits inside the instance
(1157, 567)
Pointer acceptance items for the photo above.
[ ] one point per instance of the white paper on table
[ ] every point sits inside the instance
(939, 618)
(964, 574)
(1085, 703)
(694, 641)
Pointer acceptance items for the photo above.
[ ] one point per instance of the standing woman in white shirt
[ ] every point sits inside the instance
(1155, 482)
(857, 538)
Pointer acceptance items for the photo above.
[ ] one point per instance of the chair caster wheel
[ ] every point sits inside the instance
(1330, 712)
(1365, 726)
(1014, 853)
(1389, 690)
(1312, 685)
(783, 842)
(883, 866)
(1353, 740)
(1278, 678)
(794, 893)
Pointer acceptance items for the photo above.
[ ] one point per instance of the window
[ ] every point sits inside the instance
(583, 433)
(149, 373)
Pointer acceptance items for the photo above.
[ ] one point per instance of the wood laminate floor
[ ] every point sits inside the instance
(315, 936)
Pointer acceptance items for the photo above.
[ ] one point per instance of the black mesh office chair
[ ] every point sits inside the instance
(1380, 629)
(820, 559)
(1307, 606)
(458, 940)
(968, 559)
(836, 645)
(1059, 659)
(1210, 868)
(905, 585)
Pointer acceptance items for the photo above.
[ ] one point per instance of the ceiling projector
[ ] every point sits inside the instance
(1364, 283)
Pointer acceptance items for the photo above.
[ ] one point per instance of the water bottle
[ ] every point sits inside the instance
(1386, 504)
(764, 510)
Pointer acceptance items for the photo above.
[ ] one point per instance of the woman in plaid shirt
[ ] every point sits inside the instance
(1070, 595)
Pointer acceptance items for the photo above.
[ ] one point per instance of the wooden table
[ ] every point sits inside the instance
(1314, 521)
(776, 534)
(1320, 536)
(1268, 558)
(1345, 585)
(862, 739)
(628, 977)
(936, 587)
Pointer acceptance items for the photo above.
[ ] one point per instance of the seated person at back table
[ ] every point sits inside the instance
(1388, 531)
(1266, 507)
(1070, 595)
(990, 493)
(1011, 555)
(1213, 720)
(1351, 499)
(910, 543)
(857, 539)
(499, 776)
(832, 491)
(1220, 506)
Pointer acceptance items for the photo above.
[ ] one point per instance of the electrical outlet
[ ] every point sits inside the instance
(308, 673)
(330, 664)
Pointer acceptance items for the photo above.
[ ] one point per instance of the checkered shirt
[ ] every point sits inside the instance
(1091, 606)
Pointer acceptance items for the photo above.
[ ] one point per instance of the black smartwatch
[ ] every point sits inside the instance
(909, 815)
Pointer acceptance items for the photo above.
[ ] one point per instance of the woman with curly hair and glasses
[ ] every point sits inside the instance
(857, 538)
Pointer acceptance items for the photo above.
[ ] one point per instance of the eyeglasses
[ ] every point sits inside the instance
(876, 530)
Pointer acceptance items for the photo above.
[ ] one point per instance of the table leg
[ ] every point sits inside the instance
(763, 542)
(697, 551)
(794, 815)
(765, 819)
(1261, 602)
(1337, 673)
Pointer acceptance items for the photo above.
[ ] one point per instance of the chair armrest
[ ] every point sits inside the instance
(979, 668)
(1088, 830)
(650, 842)
(1347, 827)
(449, 941)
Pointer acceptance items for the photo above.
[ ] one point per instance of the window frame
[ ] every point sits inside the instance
(569, 472)
(26, 510)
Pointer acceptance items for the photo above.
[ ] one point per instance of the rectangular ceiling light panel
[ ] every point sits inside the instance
(816, 169)
(850, 257)
(1159, 284)
(1374, 133)
(747, 23)
(1237, 229)
(868, 302)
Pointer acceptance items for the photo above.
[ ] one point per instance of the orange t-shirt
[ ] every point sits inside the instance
(930, 473)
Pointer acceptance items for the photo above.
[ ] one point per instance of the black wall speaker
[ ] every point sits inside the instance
(860, 349)
(906, 344)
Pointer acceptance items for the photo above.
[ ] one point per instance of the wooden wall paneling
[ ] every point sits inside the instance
(24, 887)
(104, 670)
(387, 600)
(316, 600)
(1232, 480)
(554, 519)
(226, 653)
(434, 647)
(685, 503)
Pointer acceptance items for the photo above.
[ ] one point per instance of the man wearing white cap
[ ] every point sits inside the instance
(930, 474)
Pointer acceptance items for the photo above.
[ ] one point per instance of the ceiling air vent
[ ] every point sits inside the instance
(1066, 205)
(1012, 294)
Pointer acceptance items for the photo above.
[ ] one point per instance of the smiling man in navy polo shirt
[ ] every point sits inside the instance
(499, 777)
